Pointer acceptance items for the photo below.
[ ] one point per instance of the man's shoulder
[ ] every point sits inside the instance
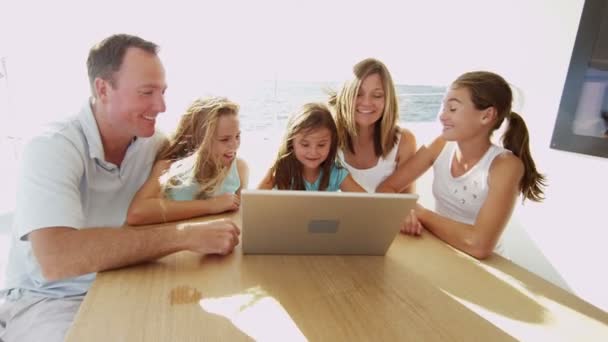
(159, 137)
(67, 132)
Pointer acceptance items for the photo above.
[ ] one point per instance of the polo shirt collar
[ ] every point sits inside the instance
(91, 131)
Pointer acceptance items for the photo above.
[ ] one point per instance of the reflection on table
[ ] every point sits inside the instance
(422, 290)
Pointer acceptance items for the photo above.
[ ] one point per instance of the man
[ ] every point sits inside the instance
(76, 181)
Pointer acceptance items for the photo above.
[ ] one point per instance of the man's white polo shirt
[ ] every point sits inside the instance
(64, 181)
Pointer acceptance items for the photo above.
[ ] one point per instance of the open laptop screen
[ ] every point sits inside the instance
(317, 222)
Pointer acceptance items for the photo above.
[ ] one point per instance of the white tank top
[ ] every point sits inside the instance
(460, 198)
(370, 178)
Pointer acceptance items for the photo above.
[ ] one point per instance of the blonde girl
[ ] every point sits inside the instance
(197, 172)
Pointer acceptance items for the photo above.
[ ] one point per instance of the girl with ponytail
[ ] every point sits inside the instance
(476, 183)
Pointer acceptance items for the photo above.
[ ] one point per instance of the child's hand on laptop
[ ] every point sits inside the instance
(411, 225)
(224, 202)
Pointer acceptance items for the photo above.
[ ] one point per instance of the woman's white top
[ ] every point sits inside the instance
(370, 178)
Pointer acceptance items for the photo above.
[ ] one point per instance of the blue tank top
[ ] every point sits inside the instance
(336, 177)
(189, 188)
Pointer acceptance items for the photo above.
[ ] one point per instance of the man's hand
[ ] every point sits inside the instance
(214, 237)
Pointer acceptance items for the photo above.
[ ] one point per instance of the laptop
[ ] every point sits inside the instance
(319, 222)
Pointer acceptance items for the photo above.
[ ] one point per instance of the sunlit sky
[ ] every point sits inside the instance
(422, 41)
(209, 45)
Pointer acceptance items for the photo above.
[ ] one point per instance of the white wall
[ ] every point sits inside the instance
(528, 42)
(570, 226)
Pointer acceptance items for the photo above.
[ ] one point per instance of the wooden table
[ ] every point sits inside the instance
(422, 290)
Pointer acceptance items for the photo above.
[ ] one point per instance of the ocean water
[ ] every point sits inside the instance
(268, 104)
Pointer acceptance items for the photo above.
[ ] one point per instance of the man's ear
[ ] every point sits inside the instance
(489, 115)
(101, 88)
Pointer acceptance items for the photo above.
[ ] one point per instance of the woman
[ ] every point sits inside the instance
(372, 145)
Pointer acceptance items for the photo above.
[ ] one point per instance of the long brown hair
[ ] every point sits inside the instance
(343, 102)
(191, 143)
(287, 170)
(491, 90)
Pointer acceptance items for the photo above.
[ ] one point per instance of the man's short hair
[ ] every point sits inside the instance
(105, 58)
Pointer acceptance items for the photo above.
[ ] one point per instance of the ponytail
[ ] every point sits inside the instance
(516, 139)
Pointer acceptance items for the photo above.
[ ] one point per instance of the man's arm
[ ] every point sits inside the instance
(49, 211)
(64, 252)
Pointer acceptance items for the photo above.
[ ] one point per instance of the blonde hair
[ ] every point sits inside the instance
(488, 89)
(191, 144)
(343, 102)
(287, 170)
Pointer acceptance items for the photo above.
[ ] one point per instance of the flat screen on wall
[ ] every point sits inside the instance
(582, 121)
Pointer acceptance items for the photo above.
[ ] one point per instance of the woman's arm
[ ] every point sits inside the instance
(150, 206)
(350, 185)
(413, 168)
(405, 151)
(268, 182)
(480, 239)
